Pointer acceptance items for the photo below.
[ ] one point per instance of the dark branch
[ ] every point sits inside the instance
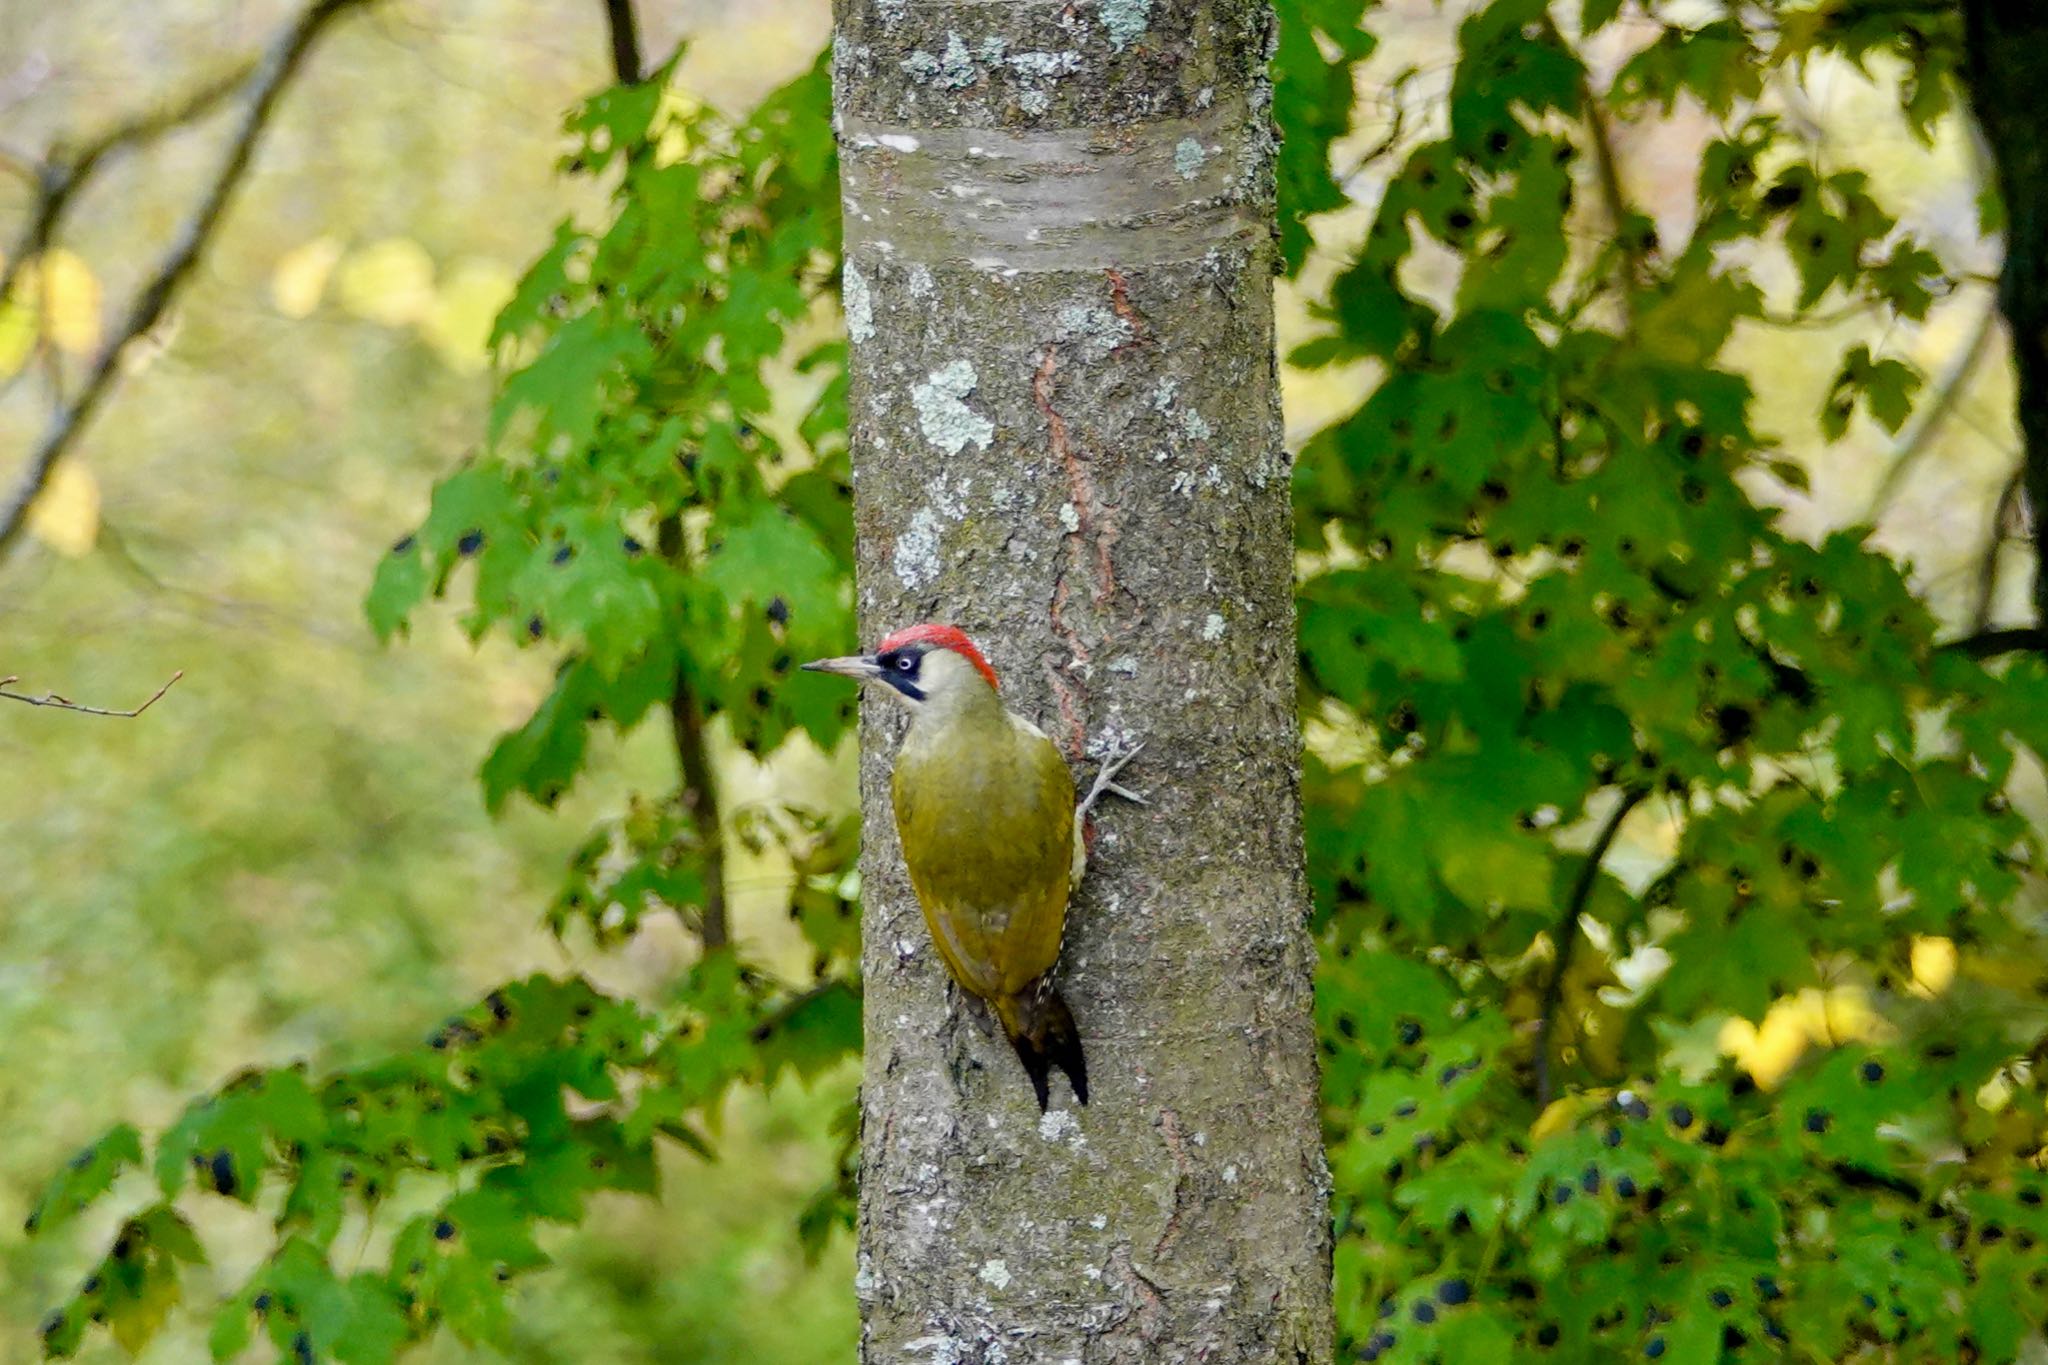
(1565, 937)
(1989, 644)
(61, 175)
(1863, 1178)
(1994, 543)
(272, 76)
(625, 41)
(2006, 61)
(61, 703)
(693, 755)
(693, 760)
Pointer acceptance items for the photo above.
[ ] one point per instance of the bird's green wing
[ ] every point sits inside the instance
(987, 831)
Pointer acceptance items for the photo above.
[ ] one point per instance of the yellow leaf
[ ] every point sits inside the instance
(467, 303)
(1812, 1018)
(17, 335)
(135, 1322)
(70, 297)
(299, 279)
(1562, 1113)
(389, 282)
(1768, 1051)
(1934, 966)
(66, 515)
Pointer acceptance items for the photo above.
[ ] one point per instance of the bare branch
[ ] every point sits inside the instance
(625, 41)
(1994, 544)
(272, 76)
(1989, 644)
(60, 176)
(62, 703)
(1565, 937)
(699, 782)
(1396, 95)
(1935, 411)
(21, 166)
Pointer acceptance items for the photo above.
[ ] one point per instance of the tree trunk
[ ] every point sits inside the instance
(1066, 440)
(2006, 44)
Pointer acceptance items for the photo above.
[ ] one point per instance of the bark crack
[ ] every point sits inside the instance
(1095, 521)
(1120, 303)
(1168, 1124)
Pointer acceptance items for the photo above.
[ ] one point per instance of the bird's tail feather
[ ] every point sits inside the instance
(1041, 1028)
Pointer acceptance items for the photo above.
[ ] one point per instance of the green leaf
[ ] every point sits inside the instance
(1717, 64)
(88, 1175)
(1885, 386)
(400, 585)
(1595, 15)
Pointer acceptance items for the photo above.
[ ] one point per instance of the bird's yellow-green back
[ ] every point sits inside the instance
(985, 810)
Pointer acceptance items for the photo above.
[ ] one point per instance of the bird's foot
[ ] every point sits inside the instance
(1105, 780)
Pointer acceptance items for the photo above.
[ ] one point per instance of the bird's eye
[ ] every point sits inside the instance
(905, 664)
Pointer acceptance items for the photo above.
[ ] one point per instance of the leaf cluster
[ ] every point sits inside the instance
(1548, 589)
(650, 510)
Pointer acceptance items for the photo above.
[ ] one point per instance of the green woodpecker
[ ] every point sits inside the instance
(991, 835)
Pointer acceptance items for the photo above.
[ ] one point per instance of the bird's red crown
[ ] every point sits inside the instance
(940, 637)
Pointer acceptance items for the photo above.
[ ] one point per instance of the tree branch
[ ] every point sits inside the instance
(272, 75)
(66, 704)
(60, 176)
(1608, 166)
(699, 782)
(625, 34)
(693, 756)
(1566, 935)
(1994, 542)
(1935, 411)
(2006, 62)
(1989, 644)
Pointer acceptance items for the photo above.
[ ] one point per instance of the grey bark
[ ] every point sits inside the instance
(1066, 441)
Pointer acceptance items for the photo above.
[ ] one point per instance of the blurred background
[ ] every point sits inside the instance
(288, 856)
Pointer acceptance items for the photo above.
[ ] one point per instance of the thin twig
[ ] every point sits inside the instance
(1565, 936)
(272, 76)
(1994, 546)
(22, 166)
(61, 175)
(1935, 411)
(1608, 165)
(1391, 140)
(62, 703)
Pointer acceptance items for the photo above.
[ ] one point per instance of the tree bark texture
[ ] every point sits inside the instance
(2006, 51)
(1066, 440)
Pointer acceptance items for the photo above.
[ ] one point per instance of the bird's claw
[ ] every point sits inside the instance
(1105, 780)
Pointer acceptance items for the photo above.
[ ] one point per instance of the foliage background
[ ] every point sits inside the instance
(299, 862)
(301, 816)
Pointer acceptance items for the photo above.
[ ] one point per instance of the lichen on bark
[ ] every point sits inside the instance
(1066, 440)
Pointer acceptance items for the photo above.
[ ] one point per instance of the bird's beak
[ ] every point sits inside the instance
(859, 667)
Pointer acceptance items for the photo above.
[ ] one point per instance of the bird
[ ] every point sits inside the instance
(992, 836)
